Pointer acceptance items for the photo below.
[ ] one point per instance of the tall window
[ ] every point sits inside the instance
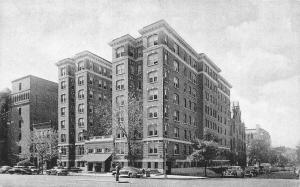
(152, 94)
(176, 66)
(166, 111)
(63, 138)
(152, 147)
(20, 86)
(176, 98)
(20, 111)
(152, 40)
(152, 59)
(120, 69)
(63, 111)
(91, 80)
(63, 98)
(152, 130)
(80, 137)
(63, 71)
(153, 112)
(81, 80)
(81, 108)
(63, 85)
(120, 100)
(80, 122)
(176, 82)
(176, 132)
(100, 83)
(152, 76)
(80, 65)
(166, 94)
(120, 52)
(176, 149)
(81, 94)
(63, 124)
(120, 85)
(104, 84)
(91, 94)
(176, 115)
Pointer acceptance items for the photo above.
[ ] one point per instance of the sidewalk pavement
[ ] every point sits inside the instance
(152, 176)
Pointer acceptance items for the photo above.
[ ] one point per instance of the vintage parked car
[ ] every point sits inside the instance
(251, 171)
(234, 171)
(33, 170)
(4, 169)
(131, 172)
(19, 170)
(57, 171)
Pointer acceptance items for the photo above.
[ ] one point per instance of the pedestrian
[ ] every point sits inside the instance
(117, 172)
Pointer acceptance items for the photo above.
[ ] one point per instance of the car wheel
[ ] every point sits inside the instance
(129, 175)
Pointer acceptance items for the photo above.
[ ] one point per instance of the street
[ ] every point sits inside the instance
(74, 181)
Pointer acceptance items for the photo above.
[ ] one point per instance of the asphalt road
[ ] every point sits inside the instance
(84, 181)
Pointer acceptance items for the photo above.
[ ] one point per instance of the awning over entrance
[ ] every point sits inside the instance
(95, 157)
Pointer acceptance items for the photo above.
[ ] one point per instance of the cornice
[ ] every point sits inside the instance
(65, 62)
(122, 39)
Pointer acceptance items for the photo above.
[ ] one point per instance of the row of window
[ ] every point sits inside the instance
(90, 66)
(214, 126)
(20, 97)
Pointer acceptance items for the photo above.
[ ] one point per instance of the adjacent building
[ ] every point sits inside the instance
(32, 100)
(84, 84)
(257, 133)
(182, 92)
(238, 136)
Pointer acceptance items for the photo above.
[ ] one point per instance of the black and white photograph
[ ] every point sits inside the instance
(149, 93)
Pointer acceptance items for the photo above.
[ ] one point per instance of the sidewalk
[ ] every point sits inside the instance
(92, 174)
(180, 177)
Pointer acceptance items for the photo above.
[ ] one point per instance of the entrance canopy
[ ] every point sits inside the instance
(95, 157)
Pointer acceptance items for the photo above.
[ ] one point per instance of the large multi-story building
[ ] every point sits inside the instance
(182, 93)
(32, 100)
(238, 135)
(84, 83)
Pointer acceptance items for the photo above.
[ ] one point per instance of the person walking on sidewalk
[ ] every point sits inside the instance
(117, 172)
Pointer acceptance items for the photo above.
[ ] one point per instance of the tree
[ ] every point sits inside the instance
(204, 151)
(44, 145)
(102, 120)
(133, 130)
(258, 151)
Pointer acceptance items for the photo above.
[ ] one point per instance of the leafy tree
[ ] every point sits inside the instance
(258, 151)
(44, 146)
(102, 120)
(133, 130)
(204, 151)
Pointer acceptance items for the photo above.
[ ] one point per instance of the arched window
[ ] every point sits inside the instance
(120, 52)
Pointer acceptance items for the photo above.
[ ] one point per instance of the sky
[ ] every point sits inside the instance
(255, 43)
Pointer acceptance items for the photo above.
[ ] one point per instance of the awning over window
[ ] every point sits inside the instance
(95, 157)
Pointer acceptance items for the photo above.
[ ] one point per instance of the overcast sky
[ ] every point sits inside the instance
(255, 43)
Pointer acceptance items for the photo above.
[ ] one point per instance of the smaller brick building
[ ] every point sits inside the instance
(97, 154)
(33, 100)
